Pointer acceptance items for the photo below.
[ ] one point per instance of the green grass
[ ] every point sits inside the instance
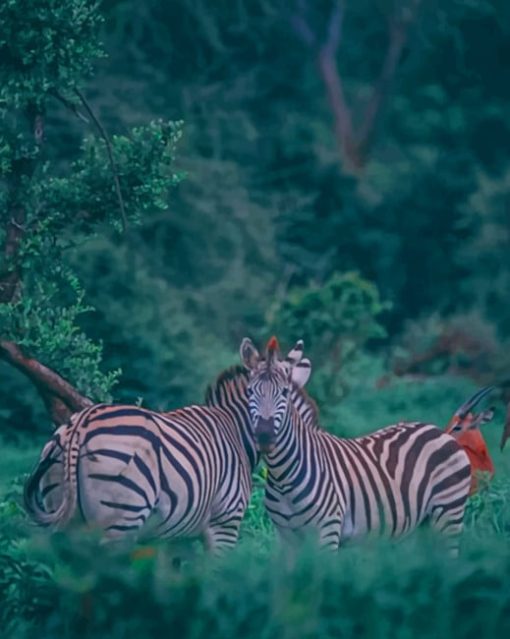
(67, 586)
(16, 461)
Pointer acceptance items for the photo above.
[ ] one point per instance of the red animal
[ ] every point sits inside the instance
(464, 426)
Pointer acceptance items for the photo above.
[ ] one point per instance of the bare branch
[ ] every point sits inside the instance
(398, 34)
(354, 147)
(325, 54)
(340, 109)
(303, 29)
(71, 106)
(109, 150)
(60, 397)
(334, 31)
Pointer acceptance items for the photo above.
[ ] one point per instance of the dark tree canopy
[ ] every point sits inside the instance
(320, 138)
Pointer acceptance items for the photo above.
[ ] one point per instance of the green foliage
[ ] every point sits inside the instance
(50, 208)
(489, 510)
(145, 316)
(70, 587)
(336, 320)
(45, 45)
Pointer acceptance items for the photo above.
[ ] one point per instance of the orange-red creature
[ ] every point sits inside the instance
(465, 427)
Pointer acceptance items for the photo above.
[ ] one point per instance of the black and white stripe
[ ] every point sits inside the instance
(387, 482)
(131, 471)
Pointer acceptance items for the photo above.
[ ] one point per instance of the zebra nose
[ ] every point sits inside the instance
(264, 433)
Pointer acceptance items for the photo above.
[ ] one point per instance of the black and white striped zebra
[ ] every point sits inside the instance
(387, 482)
(129, 471)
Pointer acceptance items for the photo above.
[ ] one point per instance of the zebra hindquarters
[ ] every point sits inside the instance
(118, 489)
(449, 491)
(228, 509)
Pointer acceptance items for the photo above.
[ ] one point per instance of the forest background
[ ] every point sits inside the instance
(178, 175)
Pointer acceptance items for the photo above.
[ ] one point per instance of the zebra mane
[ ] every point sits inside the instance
(234, 375)
(307, 408)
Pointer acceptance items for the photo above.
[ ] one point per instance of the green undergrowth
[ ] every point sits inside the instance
(68, 586)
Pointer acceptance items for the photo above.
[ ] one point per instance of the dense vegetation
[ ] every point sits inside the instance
(177, 175)
(66, 586)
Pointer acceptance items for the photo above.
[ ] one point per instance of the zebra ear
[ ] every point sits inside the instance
(296, 354)
(249, 354)
(300, 373)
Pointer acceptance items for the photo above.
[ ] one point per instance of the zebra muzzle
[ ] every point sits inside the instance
(265, 435)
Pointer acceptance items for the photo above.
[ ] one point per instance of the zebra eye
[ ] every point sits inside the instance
(285, 392)
(249, 392)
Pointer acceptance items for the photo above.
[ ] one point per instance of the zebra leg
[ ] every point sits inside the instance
(448, 521)
(330, 533)
(327, 536)
(222, 533)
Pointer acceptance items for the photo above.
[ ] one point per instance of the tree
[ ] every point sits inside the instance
(49, 205)
(355, 139)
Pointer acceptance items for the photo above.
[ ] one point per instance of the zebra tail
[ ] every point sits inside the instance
(31, 493)
(32, 496)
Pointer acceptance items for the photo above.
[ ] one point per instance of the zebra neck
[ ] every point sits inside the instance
(294, 451)
(248, 440)
(229, 394)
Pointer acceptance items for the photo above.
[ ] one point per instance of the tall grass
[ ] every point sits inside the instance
(68, 587)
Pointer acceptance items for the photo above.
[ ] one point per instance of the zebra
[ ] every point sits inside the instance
(337, 489)
(134, 473)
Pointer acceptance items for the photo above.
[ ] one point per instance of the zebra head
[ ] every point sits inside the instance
(271, 381)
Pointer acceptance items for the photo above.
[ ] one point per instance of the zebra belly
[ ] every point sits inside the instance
(285, 513)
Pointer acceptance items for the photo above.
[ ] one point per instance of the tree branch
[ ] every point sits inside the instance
(60, 397)
(354, 147)
(334, 30)
(109, 150)
(71, 106)
(325, 55)
(398, 34)
(342, 117)
(23, 166)
(301, 26)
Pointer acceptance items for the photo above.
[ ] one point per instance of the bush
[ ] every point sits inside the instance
(336, 319)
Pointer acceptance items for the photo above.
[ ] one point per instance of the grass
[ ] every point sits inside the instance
(67, 586)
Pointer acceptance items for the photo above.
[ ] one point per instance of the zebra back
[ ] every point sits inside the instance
(122, 464)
